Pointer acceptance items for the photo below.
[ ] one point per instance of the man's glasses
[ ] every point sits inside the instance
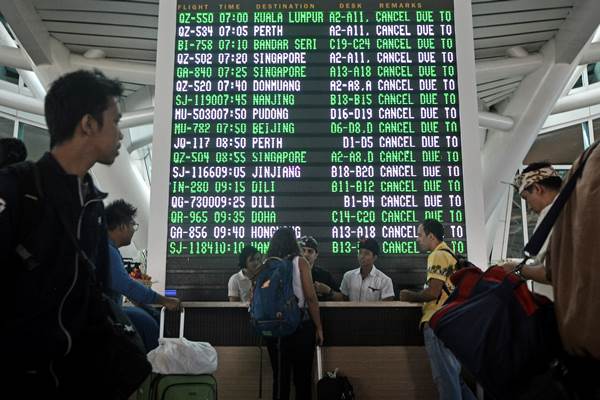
(135, 226)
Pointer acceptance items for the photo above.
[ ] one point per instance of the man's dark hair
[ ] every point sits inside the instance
(118, 213)
(552, 182)
(435, 227)
(12, 150)
(247, 251)
(283, 244)
(74, 95)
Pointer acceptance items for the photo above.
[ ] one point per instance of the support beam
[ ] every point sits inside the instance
(21, 103)
(487, 71)
(584, 98)
(29, 28)
(534, 100)
(20, 58)
(591, 55)
(12, 57)
(495, 121)
(137, 118)
(133, 72)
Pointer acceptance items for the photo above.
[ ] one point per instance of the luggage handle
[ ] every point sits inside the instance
(319, 364)
(161, 330)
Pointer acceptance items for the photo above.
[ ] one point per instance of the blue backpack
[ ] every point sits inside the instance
(274, 310)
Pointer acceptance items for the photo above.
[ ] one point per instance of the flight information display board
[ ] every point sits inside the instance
(340, 120)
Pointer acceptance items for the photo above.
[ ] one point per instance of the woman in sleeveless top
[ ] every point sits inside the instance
(297, 350)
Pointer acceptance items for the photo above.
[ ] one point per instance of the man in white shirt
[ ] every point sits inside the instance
(539, 185)
(240, 283)
(367, 283)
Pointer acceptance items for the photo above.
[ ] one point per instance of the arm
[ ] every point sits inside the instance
(432, 292)
(324, 289)
(170, 303)
(536, 272)
(233, 291)
(123, 284)
(344, 289)
(310, 296)
(387, 291)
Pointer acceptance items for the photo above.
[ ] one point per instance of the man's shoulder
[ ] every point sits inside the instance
(379, 273)
(351, 272)
(238, 276)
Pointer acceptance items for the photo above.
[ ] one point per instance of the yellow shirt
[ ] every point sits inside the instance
(440, 265)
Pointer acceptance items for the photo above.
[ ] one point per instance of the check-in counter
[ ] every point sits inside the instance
(377, 345)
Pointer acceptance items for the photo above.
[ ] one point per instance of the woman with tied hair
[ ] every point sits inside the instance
(297, 350)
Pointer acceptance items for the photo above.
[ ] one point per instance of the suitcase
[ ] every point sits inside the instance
(180, 387)
(332, 386)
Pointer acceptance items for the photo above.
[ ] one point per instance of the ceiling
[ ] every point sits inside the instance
(127, 31)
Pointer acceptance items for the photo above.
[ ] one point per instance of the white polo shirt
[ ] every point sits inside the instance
(375, 287)
(239, 286)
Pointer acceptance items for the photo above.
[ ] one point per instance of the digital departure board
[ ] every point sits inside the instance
(338, 119)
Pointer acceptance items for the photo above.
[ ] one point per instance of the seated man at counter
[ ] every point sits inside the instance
(325, 286)
(367, 283)
(240, 283)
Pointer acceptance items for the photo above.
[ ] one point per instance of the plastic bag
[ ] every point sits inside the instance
(182, 356)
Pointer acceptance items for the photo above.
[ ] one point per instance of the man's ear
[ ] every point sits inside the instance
(88, 124)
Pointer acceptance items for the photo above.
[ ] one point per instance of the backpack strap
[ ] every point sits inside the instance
(31, 196)
(444, 286)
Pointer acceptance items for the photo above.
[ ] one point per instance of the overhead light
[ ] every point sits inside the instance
(94, 53)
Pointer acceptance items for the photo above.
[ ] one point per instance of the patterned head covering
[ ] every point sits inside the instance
(526, 179)
(308, 241)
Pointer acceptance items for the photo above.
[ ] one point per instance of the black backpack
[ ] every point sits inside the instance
(334, 387)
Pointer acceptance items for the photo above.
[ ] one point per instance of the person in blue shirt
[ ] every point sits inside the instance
(121, 228)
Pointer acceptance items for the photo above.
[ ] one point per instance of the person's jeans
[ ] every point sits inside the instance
(445, 369)
(146, 326)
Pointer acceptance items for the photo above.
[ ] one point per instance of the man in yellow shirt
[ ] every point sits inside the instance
(445, 367)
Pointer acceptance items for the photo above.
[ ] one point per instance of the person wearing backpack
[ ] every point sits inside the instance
(445, 368)
(295, 352)
(54, 244)
(539, 185)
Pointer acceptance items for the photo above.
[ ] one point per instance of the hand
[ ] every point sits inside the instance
(172, 304)
(322, 288)
(404, 295)
(319, 337)
(508, 266)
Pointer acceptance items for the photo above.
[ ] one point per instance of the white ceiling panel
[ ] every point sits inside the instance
(520, 17)
(120, 53)
(121, 7)
(106, 41)
(105, 18)
(515, 29)
(511, 6)
(104, 30)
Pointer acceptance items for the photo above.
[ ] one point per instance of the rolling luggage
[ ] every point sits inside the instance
(181, 386)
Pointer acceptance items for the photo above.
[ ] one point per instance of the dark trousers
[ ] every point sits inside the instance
(294, 354)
